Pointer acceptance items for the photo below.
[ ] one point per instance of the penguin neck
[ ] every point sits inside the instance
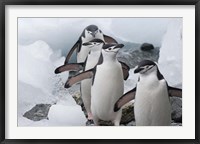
(86, 38)
(109, 57)
(99, 36)
(96, 51)
(148, 76)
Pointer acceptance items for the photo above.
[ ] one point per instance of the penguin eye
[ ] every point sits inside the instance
(95, 43)
(147, 66)
(109, 49)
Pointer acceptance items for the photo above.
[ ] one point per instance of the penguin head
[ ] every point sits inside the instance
(112, 48)
(109, 51)
(94, 44)
(146, 67)
(91, 31)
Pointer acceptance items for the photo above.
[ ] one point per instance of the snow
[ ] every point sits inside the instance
(34, 65)
(170, 60)
(59, 115)
(38, 84)
(29, 96)
(65, 115)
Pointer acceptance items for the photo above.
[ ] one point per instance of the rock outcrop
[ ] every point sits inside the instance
(147, 47)
(38, 112)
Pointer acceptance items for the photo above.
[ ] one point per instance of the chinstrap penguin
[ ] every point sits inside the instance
(92, 59)
(107, 85)
(152, 104)
(94, 47)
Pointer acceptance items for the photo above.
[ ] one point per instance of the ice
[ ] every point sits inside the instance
(34, 65)
(59, 115)
(66, 115)
(171, 51)
(62, 33)
(37, 84)
(29, 96)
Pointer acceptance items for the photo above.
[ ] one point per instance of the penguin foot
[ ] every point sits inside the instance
(90, 122)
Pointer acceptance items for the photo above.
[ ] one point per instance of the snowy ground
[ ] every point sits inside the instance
(38, 84)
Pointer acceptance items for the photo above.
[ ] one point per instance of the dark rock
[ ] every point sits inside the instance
(176, 104)
(176, 124)
(78, 99)
(146, 47)
(133, 56)
(105, 123)
(132, 123)
(89, 123)
(38, 112)
(127, 114)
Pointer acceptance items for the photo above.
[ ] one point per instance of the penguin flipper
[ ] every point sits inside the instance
(76, 46)
(125, 69)
(125, 99)
(175, 92)
(109, 39)
(84, 75)
(69, 67)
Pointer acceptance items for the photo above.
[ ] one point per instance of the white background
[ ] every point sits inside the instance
(187, 131)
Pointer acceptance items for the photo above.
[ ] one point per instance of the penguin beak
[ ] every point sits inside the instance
(137, 70)
(93, 34)
(119, 46)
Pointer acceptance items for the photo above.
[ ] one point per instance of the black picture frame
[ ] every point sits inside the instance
(3, 4)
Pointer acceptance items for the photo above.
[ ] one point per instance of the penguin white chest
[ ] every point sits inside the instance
(152, 106)
(92, 60)
(81, 56)
(107, 88)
